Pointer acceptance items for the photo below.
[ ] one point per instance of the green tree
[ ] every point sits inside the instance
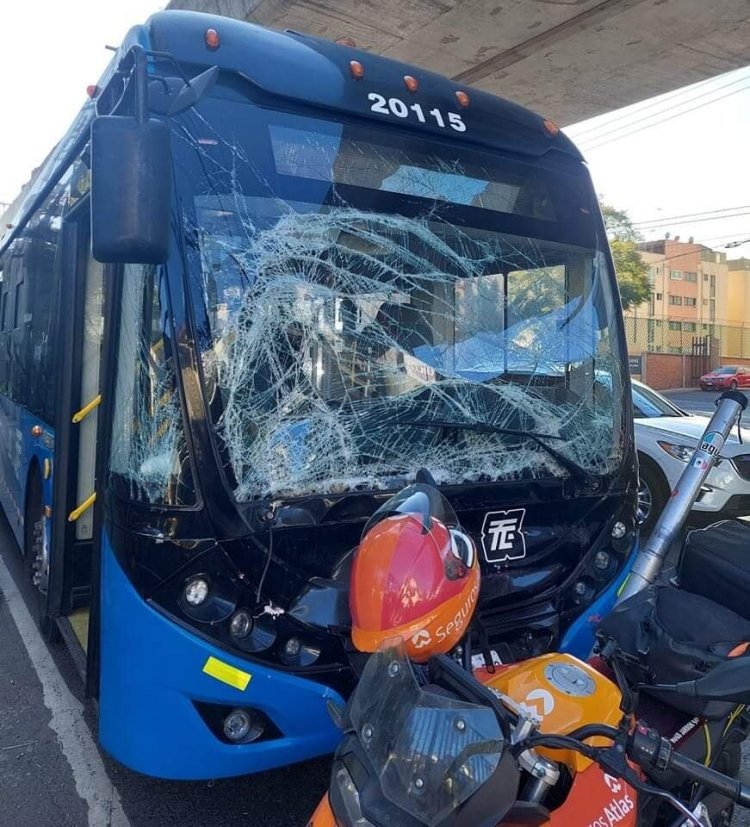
(631, 269)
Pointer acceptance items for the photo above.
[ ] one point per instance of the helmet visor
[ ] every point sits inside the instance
(420, 500)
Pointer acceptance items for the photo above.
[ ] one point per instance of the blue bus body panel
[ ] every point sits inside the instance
(19, 448)
(579, 639)
(152, 671)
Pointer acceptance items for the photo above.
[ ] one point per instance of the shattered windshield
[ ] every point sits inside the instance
(350, 282)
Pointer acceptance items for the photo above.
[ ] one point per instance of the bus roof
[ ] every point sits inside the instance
(316, 72)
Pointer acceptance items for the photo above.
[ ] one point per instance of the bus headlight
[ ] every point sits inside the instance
(241, 624)
(619, 530)
(196, 591)
(295, 652)
(242, 726)
(207, 599)
(237, 725)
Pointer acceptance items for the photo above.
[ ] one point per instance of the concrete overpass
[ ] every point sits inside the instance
(568, 59)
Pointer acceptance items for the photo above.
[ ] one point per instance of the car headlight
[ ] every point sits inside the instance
(683, 453)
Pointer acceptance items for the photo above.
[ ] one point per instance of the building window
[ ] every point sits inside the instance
(689, 327)
(658, 297)
(690, 276)
(675, 275)
(674, 326)
(705, 277)
(689, 302)
(676, 300)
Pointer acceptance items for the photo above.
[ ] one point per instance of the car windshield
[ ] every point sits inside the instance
(347, 281)
(648, 404)
(727, 370)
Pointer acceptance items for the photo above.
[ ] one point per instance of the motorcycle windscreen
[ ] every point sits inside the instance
(431, 752)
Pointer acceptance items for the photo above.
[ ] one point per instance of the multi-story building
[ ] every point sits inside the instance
(738, 291)
(689, 281)
(688, 299)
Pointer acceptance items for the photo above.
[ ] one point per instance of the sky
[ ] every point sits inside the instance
(679, 154)
(684, 153)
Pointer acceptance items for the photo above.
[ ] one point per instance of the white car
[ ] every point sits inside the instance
(665, 438)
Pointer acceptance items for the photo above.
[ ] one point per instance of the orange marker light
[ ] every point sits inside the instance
(550, 127)
(462, 98)
(92, 91)
(212, 39)
(411, 83)
(357, 69)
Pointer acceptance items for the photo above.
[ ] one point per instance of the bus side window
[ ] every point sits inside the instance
(4, 350)
(30, 291)
(148, 455)
(3, 303)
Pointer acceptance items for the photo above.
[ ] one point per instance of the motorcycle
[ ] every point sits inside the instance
(647, 732)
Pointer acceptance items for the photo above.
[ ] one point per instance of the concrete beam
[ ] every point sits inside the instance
(569, 59)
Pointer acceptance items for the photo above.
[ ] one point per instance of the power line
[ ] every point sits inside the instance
(689, 215)
(627, 134)
(657, 224)
(686, 218)
(658, 103)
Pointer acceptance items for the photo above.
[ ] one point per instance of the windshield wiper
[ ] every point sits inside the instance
(573, 468)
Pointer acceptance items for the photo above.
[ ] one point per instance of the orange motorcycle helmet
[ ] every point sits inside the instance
(415, 575)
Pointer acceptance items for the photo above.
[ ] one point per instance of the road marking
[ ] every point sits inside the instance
(91, 780)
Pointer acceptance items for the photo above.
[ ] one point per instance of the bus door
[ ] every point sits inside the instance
(75, 484)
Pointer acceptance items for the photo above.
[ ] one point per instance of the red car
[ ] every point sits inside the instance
(725, 377)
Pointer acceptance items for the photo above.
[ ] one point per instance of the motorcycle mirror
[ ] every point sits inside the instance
(729, 681)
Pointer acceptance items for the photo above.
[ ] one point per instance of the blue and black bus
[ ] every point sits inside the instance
(261, 282)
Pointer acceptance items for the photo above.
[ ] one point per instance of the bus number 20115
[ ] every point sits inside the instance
(400, 109)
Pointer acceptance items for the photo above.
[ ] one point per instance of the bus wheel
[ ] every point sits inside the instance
(36, 556)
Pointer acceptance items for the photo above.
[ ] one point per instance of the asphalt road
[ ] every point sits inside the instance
(52, 774)
(693, 401)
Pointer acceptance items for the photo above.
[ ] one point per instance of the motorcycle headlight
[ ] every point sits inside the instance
(683, 453)
(345, 800)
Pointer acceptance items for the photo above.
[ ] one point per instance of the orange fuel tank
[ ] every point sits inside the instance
(564, 693)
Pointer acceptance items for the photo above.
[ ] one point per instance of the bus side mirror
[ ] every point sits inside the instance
(131, 183)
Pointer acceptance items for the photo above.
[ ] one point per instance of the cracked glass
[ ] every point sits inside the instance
(369, 302)
(148, 456)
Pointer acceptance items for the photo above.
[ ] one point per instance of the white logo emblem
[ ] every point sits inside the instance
(421, 639)
(531, 705)
(502, 535)
(614, 785)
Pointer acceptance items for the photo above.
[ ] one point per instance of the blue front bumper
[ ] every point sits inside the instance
(152, 672)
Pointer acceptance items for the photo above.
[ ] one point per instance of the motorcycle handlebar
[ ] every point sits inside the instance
(649, 749)
(725, 785)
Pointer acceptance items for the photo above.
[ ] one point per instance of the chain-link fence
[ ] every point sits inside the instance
(716, 341)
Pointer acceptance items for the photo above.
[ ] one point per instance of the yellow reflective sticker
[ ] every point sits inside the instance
(227, 674)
